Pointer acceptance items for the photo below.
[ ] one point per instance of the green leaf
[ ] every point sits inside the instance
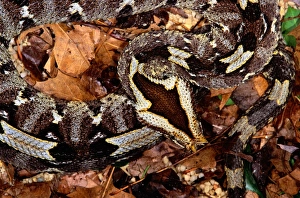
(145, 171)
(249, 178)
(228, 102)
(292, 162)
(250, 181)
(290, 40)
(292, 20)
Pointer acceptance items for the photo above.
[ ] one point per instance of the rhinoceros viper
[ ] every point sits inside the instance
(158, 70)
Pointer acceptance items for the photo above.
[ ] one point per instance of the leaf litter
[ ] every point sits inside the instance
(165, 170)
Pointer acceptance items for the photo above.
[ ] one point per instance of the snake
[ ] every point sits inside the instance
(160, 73)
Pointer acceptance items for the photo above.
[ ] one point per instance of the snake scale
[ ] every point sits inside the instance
(159, 72)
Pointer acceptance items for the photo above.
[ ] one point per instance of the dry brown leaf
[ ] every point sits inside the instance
(106, 50)
(230, 113)
(32, 50)
(288, 185)
(226, 93)
(296, 34)
(81, 192)
(216, 92)
(153, 158)
(77, 51)
(275, 175)
(71, 56)
(90, 179)
(29, 191)
(281, 165)
(295, 119)
(156, 19)
(273, 191)
(221, 120)
(296, 174)
(260, 84)
(87, 180)
(46, 36)
(250, 194)
(204, 159)
(66, 87)
(114, 192)
(245, 95)
(224, 100)
(102, 190)
(63, 187)
(6, 174)
(265, 134)
(288, 130)
(36, 190)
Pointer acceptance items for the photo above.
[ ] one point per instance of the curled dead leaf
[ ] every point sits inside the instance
(72, 62)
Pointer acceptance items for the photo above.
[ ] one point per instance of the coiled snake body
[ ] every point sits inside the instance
(241, 40)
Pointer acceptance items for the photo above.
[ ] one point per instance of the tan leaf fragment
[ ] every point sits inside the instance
(281, 166)
(153, 159)
(260, 84)
(296, 33)
(288, 185)
(294, 117)
(87, 179)
(70, 54)
(81, 192)
(265, 134)
(250, 194)
(66, 87)
(273, 191)
(106, 50)
(103, 190)
(29, 190)
(78, 51)
(226, 93)
(6, 174)
(204, 159)
(50, 67)
(296, 174)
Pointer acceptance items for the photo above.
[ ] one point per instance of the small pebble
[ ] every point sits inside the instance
(206, 189)
(211, 189)
(193, 178)
(180, 176)
(42, 177)
(181, 168)
(166, 160)
(132, 180)
(218, 191)
(201, 175)
(211, 192)
(186, 177)
(100, 176)
(202, 186)
(193, 172)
